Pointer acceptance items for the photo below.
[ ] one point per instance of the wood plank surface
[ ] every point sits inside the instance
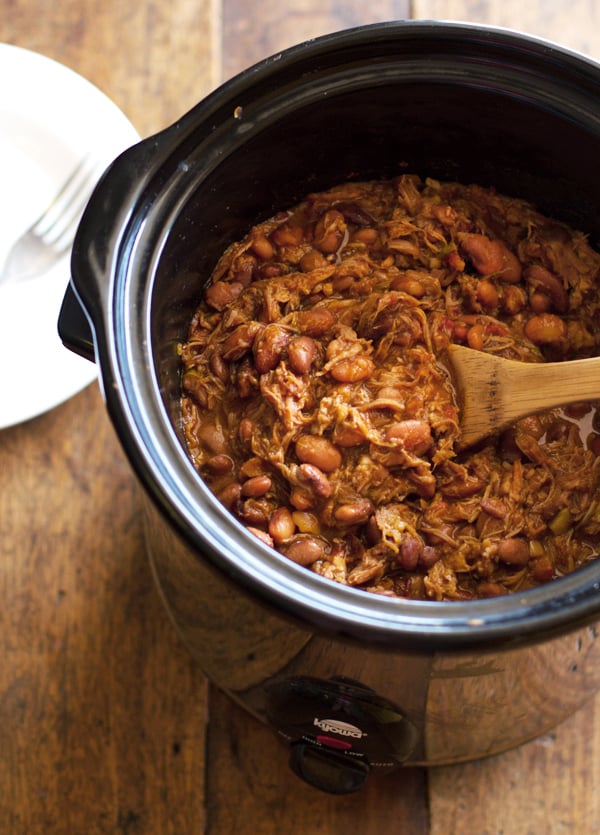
(106, 724)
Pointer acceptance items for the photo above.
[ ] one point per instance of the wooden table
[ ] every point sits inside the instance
(106, 725)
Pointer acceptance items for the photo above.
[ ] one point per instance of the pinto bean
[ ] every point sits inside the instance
(316, 481)
(352, 369)
(410, 552)
(281, 525)
(491, 257)
(316, 322)
(246, 430)
(354, 513)
(268, 347)
(487, 295)
(212, 437)
(329, 231)
(262, 247)
(475, 337)
(259, 534)
(513, 551)
(195, 387)
(230, 495)
(317, 450)
(240, 340)
(302, 352)
(545, 282)
(256, 486)
(219, 367)
(312, 260)
(255, 512)
(220, 464)
(305, 549)
(412, 435)
(222, 293)
(347, 436)
(545, 329)
(429, 556)
(302, 499)
(288, 235)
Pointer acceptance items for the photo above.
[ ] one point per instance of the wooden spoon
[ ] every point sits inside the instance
(494, 392)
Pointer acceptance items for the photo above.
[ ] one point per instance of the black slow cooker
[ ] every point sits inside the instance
(353, 683)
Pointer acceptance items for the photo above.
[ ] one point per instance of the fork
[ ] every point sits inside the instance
(51, 235)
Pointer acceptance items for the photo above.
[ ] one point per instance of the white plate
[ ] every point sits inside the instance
(50, 118)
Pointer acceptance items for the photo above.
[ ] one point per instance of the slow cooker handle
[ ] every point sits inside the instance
(112, 204)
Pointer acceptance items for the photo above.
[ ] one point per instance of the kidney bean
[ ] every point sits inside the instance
(316, 480)
(256, 486)
(220, 464)
(222, 293)
(259, 534)
(316, 322)
(240, 340)
(302, 352)
(281, 525)
(352, 369)
(513, 551)
(317, 450)
(542, 280)
(329, 231)
(305, 549)
(545, 328)
(262, 247)
(354, 513)
(268, 347)
(412, 435)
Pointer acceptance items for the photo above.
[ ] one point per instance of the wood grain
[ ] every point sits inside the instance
(104, 716)
(102, 710)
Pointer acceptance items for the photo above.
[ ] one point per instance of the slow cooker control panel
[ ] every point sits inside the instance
(339, 730)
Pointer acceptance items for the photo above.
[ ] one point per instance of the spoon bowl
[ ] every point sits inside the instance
(494, 392)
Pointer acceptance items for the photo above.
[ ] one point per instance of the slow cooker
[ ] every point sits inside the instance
(353, 683)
